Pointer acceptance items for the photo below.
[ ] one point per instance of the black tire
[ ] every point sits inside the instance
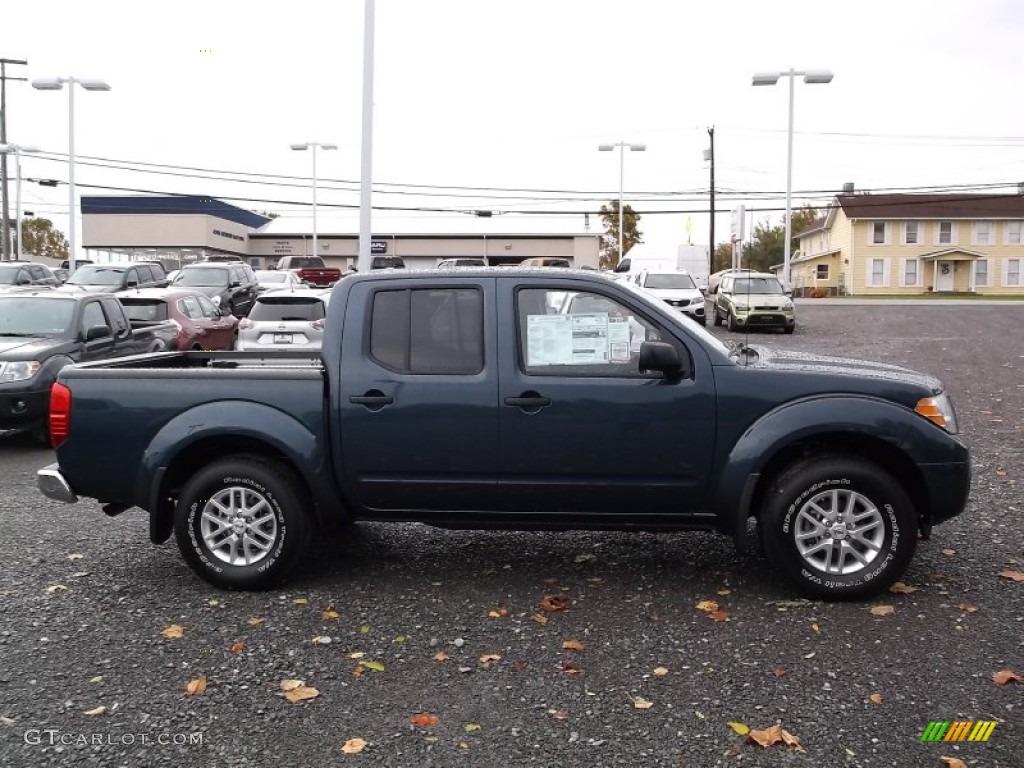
(718, 317)
(290, 525)
(891, 529)
(732, 322)
(788, 330)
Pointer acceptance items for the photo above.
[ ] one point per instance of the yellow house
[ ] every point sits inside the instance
(870, 244)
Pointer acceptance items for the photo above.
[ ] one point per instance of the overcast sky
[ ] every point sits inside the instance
(475, 93)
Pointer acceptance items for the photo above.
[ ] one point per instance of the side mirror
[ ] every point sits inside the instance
(235, 284)
(97, 332)
(623, 266)
(660, 356)
(216, 301)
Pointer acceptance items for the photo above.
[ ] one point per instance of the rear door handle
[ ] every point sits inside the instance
(373, 398)
(528, 400)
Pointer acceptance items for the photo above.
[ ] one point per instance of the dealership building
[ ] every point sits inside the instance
(180, 229)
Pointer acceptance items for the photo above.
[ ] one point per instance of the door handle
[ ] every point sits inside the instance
(528, 400)
(372, 398)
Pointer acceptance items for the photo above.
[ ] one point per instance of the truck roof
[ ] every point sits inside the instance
(501, 272)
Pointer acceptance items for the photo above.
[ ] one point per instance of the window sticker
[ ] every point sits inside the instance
(548, 340)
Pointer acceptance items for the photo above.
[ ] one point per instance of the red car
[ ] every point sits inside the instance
(200, 324)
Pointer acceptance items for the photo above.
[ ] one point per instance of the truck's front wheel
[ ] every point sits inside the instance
(242, 523)
(839, 527)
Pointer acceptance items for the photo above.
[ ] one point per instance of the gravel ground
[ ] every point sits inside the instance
(82, 632)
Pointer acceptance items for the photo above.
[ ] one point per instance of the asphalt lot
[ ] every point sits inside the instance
(402, 594)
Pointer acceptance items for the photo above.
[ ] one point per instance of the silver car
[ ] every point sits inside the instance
(284, 319)
(272, 279)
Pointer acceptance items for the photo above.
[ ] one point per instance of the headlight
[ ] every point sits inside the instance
(19, 370)
(940, 410)
(787, 306)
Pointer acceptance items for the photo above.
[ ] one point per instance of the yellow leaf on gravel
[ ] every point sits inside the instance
(300, 601)
(356, 655)
(353, 746)
(641, 703)
(815, 627)
(471, 727)
(899, 588)
(724, 592)
(100, 710)
(949, 552)
(497, 613)
(301, 694)
(573, 645)
(953, 762)
(195, 687)
(331, 615)
(875, 698)
(883, 610)
(487, 658)
(741, 728)
(256, 621)
(376, 666)
(174, 632)
(291, 685)
(539, 618)
(364, 630)
(660, 671)
(707, 605)
(56, 588)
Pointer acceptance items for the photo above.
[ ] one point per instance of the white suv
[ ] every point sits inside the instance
(677, 289)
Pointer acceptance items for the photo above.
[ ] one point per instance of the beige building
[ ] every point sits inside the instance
(870, 244)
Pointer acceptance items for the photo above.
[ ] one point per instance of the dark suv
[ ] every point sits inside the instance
(25, 275)
(228, 284)
(112, 278)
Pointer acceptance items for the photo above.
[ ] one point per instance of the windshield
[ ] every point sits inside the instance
(91, 274)
(204, 276)
(8, 273)
(144, 310)
(30, 316)
(278, 310)
(756, 285)
(306, 262)
(672, 280)
(270, 276)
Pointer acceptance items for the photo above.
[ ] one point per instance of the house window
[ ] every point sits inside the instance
(878, 233)
(1011, 275)
(878, 273)
(910, 235)
(981, 273)
(910, 272)
(982, 232)
(1013, 232)
(822, 272)
(945, 233)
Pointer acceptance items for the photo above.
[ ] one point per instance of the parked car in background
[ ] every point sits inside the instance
(463, 262)
(310, 269)
(387, 262)
(112, 278)
(66, 264)
(271, 279)
(226, 284)
(284, 319)
(546, 262)
(715, 279)
(677, 289)
(43, 331)
(25, 276)
(754, 300)
(200, 324)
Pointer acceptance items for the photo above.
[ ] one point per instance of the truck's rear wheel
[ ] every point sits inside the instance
(242, 523)
(838, 527)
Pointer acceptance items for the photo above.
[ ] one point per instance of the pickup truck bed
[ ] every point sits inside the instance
(493, 398)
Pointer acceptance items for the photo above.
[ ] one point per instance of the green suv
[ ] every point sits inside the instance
(754, 300)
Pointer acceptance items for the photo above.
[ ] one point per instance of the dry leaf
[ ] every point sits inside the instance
(719, 615)
(359, 670)
(237, 647)
(540, 618)
(364, 630)
(300, 601)
(968, 607)
(519, 666)
(424, 720)
(291, 685)
(815, 627)
(810, 655)
(471, 727)
(551, 603)
(213, 602)
(949, 552)
(400, 639)
(774, 735)
(1012, 575)
(724, 592)
(56, 588)
(301, 693)
(376, 666)
(641, 703)
(778, 671)
(1001, 472)
(75, 556)
(100, 710)
(707, 605)
(573, 645)
(1004, 676)
(741, 728)
(356, 655)
(174, 632)
(440, 656)
(353, 746)
(6, 720)
(660, 671)
(558, 714)
(332, 615)
(255, 622)
(953, 762)
(875, 698)
(570, 669)
(497, 613)
(899, 588)
(487, 658)
(195, 687)
(595, 580)
(883, 610)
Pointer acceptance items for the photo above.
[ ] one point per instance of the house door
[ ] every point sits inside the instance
(944, 276)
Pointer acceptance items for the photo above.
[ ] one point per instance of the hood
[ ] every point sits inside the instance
(773, 300)
(32, 348)
(72, 288)
(677, 293)
(805, 362)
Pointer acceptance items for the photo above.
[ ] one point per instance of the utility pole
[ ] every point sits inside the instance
(711, 234)
(6, 214)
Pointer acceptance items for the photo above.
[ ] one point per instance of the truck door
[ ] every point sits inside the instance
(417, 395)
(582, 430)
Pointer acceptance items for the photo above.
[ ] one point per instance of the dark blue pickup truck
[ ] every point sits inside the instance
(520, 399)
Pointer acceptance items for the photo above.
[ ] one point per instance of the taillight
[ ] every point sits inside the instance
(318, 324)
(60, 414)
(245, 322)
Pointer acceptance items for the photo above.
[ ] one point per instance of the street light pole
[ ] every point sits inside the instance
(17, 149)
(314, 145)
(622, 145)
(812, 77)
(55, 84)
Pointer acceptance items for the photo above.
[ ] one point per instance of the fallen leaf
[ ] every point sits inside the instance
(519, 666)
(573, 645)
(707, 606)
(300, 601)
(97, 679)
(540, 618)
(883, 610)
(353, 746)
(487, 658)
(237, 647)
(56, 588)
(1013, 575)
(356, 655)
(779, 671)
(1004, 676)
(774, 735)
(497, 613)
(321, 640)
(570, 669)
(100, 710)
(875, 698)
(440, 656)
(641, 703)
(558, 714)
(291, 685)
(660, 671)
(471, 727)
(463, 745)
(376, 666)
(174, 632)
(815, 627)
(195, 687)
(7, 720)
(75, 556)
(424, 720)
(953, 762)
(364, 630)
(968, 607)
(949, 552)
(741, 728)
(719, 615)
(899, 588)
(213, 603)
(332, 615)
(724, 592)
(810, 655)
(596, 580)
(359, 670)
(1001, 472)
(301, 693)
(79, 574)
(255, 622)
(551, 603)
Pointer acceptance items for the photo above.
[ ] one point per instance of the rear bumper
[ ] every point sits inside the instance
(52, 483)
(23, 409)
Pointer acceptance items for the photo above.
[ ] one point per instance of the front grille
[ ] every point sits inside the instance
(768, 308)
(765, 319)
